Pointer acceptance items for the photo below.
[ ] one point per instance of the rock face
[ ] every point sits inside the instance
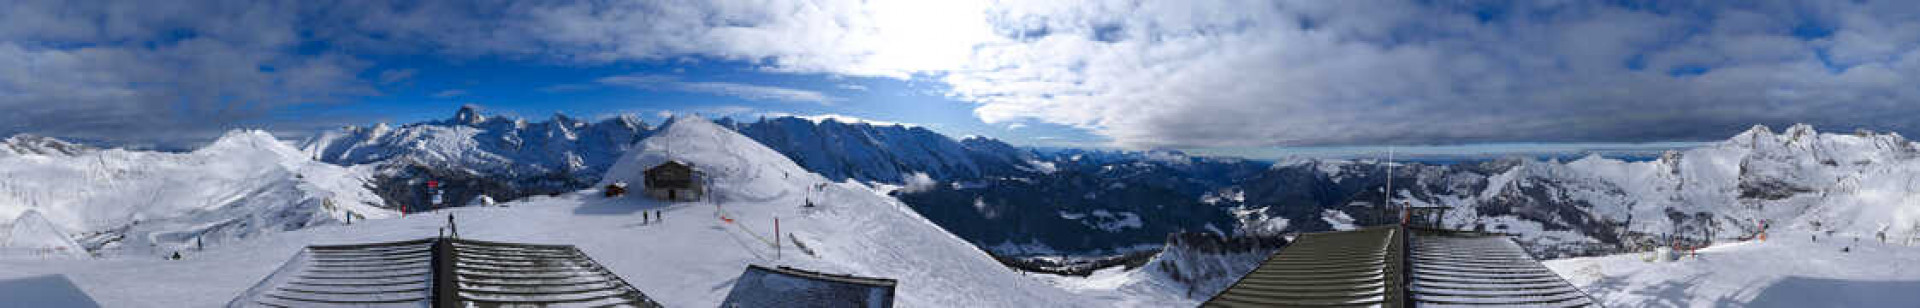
(1207, 263)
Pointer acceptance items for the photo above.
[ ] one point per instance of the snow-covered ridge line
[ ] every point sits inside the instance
(1858, 183)
(244, 184)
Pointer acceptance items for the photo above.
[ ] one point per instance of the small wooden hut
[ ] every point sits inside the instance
(673, 181)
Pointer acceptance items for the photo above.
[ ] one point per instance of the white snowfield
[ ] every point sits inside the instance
(1788, 270)
(689, 258)
(1858, 184)
(32, 235)
(154, 203)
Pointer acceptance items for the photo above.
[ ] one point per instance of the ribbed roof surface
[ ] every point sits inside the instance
(1452, 269)
(1333, 269)
(1364, 268)
(442, 272)
(397, 274)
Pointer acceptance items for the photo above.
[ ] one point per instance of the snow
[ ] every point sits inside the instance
(242, 185)
(32, 233)
(1339, 220)
(1256, 221)
(918, 182)
(1787, 270)
(689, 258)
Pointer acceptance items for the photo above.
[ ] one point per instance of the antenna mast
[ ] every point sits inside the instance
(1387, 197)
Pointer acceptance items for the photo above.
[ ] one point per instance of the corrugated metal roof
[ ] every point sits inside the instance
(441, 272)
(1332, 269)
(1367, 267)
(1463, 269)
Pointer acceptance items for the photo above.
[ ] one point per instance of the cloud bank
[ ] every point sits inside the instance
(1143, 73)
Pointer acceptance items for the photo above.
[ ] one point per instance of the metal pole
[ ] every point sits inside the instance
(776, 238)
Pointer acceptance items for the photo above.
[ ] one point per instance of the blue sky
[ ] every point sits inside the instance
(436, 87)
(1247, 78)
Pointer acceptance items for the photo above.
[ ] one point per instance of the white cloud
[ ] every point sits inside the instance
(820, 118)
(746, 91)
(1263, 73)
(450, 93)
(1150, 74)
(164, 73)
(393, 76)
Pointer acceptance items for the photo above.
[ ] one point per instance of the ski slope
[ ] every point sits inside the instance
(687, 259)
(1788, 270)
(153, 203)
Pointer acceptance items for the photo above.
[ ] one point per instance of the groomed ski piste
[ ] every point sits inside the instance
(689, 258)
(1789, 269)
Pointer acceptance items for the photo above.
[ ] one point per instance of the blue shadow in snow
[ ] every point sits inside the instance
(1802, 292)
(43, 291)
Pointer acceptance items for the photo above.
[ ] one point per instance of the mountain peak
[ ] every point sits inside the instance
(249, 141)
(721, 154)
(34, 144)
(469, 114)
(1800, 130)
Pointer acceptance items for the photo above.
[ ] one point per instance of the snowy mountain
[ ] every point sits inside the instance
(32, 233)
(473, 155)
(24, 144)
(884, 153)
(687, 254)
(243, 185)
(1850, 183)
(1792, 268)
(1088, 202)
(504, 158)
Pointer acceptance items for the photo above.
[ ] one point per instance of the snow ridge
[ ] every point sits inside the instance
(242, 185)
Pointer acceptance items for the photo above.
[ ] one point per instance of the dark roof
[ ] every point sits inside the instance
(761, 286)
(871, 281)
(1348, 268)
(417, 273)
(672, 164)
(1367, 267)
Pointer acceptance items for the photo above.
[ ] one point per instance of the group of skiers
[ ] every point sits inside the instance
(648, 217)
